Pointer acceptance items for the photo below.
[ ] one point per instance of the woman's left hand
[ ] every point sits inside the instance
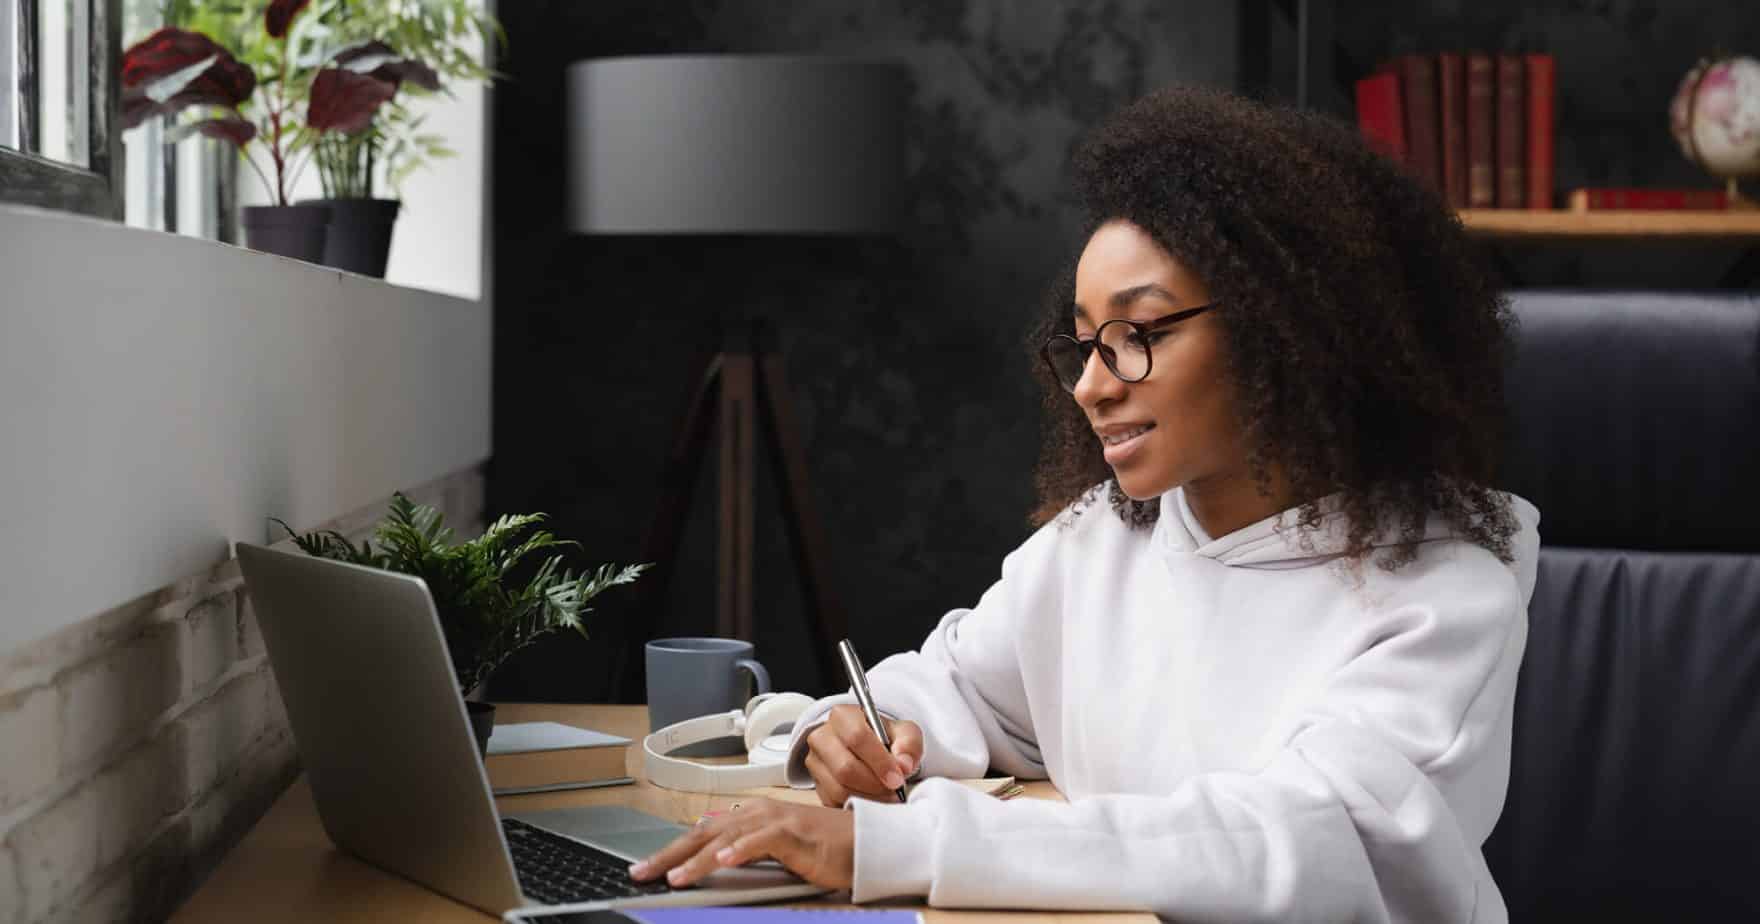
(816, 843)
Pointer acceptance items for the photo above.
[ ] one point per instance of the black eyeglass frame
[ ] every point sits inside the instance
(1089, 345)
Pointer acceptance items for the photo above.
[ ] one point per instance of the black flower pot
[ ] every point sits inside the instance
(482, 716)
(296, 231)
(360, 234)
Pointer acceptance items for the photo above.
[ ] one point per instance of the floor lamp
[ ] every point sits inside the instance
(758, 145)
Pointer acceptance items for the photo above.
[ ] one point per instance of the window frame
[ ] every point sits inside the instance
(27, 178)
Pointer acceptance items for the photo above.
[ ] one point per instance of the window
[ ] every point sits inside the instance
(190, 186)
(59, 147)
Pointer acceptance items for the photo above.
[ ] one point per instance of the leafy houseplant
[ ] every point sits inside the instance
(252, 103)
(486, 611)
(441, 33)
(392, 144)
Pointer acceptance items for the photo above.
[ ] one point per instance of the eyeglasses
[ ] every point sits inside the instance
(1126, 347)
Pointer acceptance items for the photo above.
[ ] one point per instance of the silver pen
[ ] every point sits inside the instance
(858, 683)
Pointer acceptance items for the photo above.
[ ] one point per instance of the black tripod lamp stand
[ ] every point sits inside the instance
(747, 145)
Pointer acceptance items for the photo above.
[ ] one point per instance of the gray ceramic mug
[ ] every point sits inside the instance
(692, 677)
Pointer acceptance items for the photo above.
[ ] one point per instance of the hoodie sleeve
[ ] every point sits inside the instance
(1374, 809)
(963, 688)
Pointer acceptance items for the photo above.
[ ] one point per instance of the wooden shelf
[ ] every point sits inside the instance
(1741, 226)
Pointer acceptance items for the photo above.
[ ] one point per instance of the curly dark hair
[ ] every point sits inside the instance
(1365, 339)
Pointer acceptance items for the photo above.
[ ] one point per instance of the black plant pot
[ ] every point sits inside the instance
(296, 231)
(360, 234)
(482, 716)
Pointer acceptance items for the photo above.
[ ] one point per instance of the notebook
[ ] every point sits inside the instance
(526, 757)
(1002, 787)
(520, 737)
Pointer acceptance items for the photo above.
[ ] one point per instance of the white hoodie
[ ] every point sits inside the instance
(1243, 729)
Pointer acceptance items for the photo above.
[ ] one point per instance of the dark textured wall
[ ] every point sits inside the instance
(906, 355)
(1619, 62)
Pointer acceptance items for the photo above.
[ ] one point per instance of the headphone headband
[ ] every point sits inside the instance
(759, 723)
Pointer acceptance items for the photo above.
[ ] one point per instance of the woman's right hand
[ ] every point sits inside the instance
(846, 757)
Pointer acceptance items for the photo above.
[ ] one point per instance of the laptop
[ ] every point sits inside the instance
(375, 711)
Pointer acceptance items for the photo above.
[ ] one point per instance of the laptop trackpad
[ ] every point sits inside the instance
(614, 829)
(632, 845)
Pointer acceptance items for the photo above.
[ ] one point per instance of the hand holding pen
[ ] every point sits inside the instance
(849, 755)
(858, 684)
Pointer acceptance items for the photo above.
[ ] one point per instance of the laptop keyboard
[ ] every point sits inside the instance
(555, 870)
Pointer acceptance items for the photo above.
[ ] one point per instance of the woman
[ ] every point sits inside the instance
(1266, 638)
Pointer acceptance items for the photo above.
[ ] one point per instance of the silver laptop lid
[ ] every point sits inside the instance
(362, 665)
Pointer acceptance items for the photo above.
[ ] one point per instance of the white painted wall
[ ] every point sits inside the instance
(160, 396)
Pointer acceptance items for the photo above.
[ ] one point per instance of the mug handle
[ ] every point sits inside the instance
(760, 676)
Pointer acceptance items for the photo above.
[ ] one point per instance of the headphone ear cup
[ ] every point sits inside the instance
(763, 719)
(756, 701)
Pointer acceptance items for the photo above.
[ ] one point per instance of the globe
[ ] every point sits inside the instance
(1715, 117)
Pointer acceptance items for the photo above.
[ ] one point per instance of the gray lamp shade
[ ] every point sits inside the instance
(734, 144)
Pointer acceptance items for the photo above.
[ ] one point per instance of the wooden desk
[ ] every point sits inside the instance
(286, 869)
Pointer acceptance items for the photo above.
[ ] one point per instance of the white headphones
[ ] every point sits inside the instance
(765, 724)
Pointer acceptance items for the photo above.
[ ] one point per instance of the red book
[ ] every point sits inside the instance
(1540, 71)
(1595, 199)
(1512, 147)
(1417, 81)
(1380, 117)
(1481, 132)
(1451, 82)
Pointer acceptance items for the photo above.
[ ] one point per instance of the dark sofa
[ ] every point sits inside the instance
(1635, 776)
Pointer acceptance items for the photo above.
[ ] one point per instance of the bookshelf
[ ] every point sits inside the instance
(1740, 227)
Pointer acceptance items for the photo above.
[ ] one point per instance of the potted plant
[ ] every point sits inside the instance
(411, 46)
(252, 103)
(489, 606)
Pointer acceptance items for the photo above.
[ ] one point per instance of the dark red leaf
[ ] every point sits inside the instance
(137, 109)
(165, 52)
(410, 70)
(380, 60)
(278, 18)
(232, 128)
(344, 101)
(156, 78)
(372, 54)
(225, 83)
(206, 90)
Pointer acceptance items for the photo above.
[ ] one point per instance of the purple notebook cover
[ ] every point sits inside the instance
(757, 915)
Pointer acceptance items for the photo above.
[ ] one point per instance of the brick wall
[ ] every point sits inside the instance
(137, 746)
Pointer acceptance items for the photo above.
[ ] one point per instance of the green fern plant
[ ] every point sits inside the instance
(485, 613)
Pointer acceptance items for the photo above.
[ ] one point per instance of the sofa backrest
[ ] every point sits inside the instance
(1635, 771)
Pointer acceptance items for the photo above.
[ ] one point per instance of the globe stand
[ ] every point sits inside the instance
(1733, 192)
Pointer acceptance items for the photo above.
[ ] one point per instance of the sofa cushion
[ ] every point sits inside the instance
(1635, 778)
(1636, 418)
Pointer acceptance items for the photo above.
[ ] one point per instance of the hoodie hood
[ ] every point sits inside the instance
(1278, 542)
